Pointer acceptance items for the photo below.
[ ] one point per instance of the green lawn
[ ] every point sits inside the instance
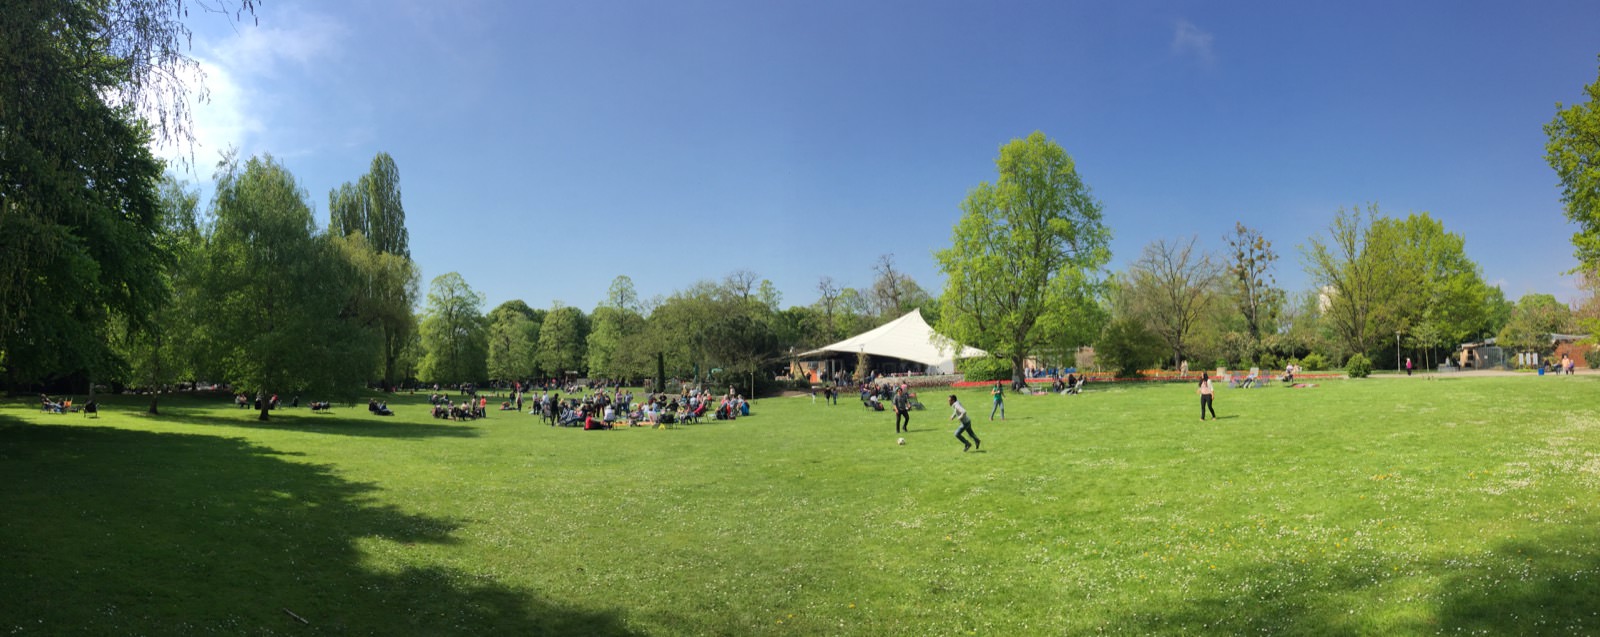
(1383, 506)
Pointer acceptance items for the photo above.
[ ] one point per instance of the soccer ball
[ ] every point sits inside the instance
(901, 442)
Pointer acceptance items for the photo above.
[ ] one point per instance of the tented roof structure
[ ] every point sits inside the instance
(909, 338)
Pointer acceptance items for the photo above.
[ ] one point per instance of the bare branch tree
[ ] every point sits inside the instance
(1172, 286)
(829, 300)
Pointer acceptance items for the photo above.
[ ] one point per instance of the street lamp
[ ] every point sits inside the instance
(1397, 350)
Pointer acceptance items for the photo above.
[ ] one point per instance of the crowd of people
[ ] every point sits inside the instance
(467, 409)
(606, 407)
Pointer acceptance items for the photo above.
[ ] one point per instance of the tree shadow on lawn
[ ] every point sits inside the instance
(303, 420)
(110, 531)
(1547, 585)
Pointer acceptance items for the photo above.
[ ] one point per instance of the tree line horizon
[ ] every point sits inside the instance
(113, 274)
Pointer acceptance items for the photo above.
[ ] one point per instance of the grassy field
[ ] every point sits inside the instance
(1382, 506)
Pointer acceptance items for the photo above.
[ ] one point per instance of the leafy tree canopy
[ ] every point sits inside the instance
(1024, 267)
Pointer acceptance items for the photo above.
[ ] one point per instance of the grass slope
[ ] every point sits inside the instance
(1385, 506)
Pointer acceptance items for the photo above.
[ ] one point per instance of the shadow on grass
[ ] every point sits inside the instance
(352, 420)
(110, 531)
(302, 420)
(1546, 585)
(1543, 586)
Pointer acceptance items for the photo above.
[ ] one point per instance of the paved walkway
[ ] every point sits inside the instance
(1479, 373)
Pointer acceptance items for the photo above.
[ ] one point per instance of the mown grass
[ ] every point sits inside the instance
(1383, 506)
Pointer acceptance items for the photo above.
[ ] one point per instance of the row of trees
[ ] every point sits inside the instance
(258, 296)
(1384, 287)
(1025, 280)
(736, 326)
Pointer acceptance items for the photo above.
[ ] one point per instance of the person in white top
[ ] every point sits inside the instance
(1205, 397)
(957, 411)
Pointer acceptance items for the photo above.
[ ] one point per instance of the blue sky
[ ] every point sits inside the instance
(546, 148)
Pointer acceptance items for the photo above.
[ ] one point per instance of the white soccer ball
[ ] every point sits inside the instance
(901, 441)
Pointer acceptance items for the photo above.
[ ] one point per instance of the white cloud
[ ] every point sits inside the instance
(1190, 40)
(225, 119)
(236, 71)
(309, 39)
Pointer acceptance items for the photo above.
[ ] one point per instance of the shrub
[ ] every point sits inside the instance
(1314, 362)
(1268, 361)
(984, 368)
(1126, 346)
(1358, 366)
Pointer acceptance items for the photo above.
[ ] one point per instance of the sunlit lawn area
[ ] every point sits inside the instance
(1383, 506)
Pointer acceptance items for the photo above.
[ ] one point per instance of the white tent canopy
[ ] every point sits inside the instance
(908, 338)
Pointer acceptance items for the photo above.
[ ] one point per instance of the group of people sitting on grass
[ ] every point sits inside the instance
(65, 405)
(243, 401)
(445, 409)
(381, 409)
(607, 409)
(1071, 385)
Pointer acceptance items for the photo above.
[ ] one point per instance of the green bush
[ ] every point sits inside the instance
(986, 368)
(1126, 346)
(1358, 366)
(1268, 361)
(1314, 362)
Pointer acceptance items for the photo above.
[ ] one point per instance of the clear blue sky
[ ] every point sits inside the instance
(546, 148)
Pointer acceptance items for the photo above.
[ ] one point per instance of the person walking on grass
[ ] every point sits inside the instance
(1205, 397)
(957, 411)
(902, 411)
(1408, 365)
(999, 402)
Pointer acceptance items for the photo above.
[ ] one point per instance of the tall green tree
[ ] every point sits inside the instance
(1026, 255)
(622, 294)
(1254, 285)
(615, 345)
(513, 341)
(1574, 153)
(563, 340)
(1451, 298)
(1362, 271)
(454, 333)
(372, 208)
(275, 292)
(1535, 318)
(1497, 312)
(79, 212)
(613, 349)
(160, 354)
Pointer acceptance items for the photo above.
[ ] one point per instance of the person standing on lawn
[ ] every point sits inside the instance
(957, 411)
(999, 401)
(1205, 397)
(1408, 365)
(902, 411)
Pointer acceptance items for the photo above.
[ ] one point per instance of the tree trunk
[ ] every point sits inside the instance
(153, 400)
(661, 372)
(1017, 380)
(266, 406)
